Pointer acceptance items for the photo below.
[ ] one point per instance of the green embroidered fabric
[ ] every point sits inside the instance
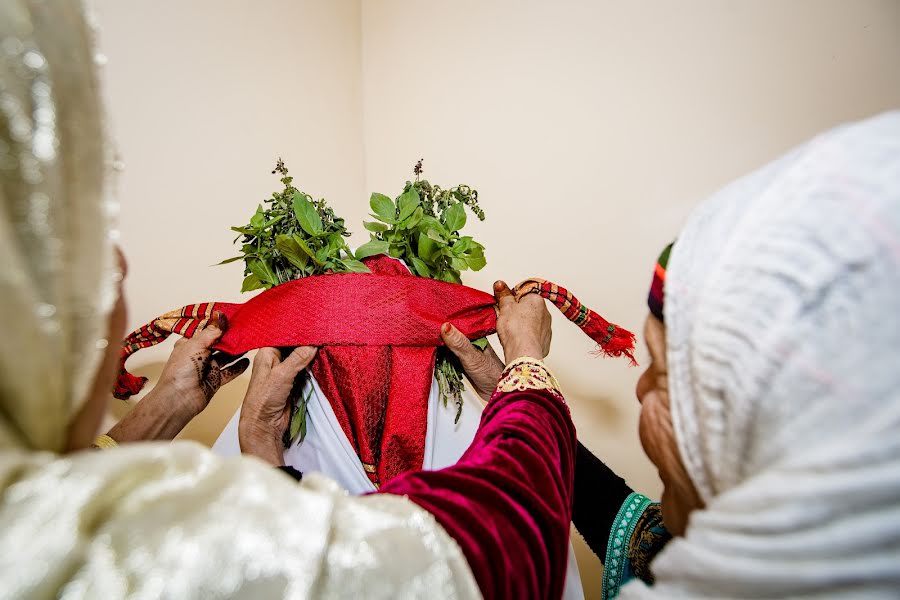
(637, 535)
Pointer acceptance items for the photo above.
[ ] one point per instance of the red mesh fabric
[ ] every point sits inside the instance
(357, 309)
(377, 334)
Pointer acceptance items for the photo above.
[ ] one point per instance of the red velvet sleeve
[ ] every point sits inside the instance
(508, 501)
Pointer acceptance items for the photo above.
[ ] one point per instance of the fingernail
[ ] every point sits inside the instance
(445, 328)
(221, 321)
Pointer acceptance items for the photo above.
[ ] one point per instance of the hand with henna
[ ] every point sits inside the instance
(192, 375)
(194, 372)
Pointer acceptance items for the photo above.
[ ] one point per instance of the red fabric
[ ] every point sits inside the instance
(377, 335)
(508, 501)
(356, 309)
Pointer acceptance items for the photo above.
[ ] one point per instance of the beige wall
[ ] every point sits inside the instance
(590, 128)
(204, 96)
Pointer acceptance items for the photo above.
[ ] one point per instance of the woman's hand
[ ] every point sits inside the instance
(265, 414)
(191, 376)
(482, 368)
(523, 326)
(194, 373)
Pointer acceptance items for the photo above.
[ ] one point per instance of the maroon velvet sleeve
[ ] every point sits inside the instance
(508, 501)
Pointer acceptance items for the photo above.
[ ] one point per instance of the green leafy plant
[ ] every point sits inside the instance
(292, 236)
(422, 228)
(288, 237)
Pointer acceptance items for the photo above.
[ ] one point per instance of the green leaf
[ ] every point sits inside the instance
(303, 417)
(274, 221)
(382, 206)
(462, 246)
(480, 343)
(229, 260)
(449, 276)
(244, 230)
(291, 250)
(307, 215)
(427, 247)
(258, 219)
(335, 242)
(371, 248)
(414, 219)
(455, 217)
(375, 227)
(476, 263)
(437, 237)
(251, 282)
(354, 266)
(476, 250)
(305, 247)
(395, 251)
(263, 271)
(390, 220)
(408, 202)
(298, 420)
(420, 267)
(429, 222)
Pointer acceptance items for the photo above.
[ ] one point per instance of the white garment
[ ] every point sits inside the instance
(145, 520)
(326, 449)
(781, 306)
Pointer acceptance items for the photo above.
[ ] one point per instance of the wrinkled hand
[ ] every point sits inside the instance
(482, 368)
(194, 373)
(523, 326)
(266, 411)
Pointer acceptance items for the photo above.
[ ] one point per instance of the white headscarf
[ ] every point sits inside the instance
(146, 520)
(783, 329)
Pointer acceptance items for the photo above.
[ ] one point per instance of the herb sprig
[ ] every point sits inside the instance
(422, 227)
(291, 236)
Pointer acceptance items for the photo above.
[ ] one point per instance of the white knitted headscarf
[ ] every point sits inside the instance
(783, 329)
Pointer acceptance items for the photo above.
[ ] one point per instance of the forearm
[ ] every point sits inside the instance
(155, 417)
(599, 493)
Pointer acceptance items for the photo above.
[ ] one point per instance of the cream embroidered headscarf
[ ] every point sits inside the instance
(147, 520)
(783, 329)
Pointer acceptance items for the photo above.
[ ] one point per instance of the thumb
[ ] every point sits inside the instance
(214, 329)
(460, 345)
(233, 370)
(503, 294)
(299, 359)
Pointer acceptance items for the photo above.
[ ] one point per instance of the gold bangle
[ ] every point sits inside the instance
(104, 442)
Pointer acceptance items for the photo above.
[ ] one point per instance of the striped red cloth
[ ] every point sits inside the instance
(377, 333)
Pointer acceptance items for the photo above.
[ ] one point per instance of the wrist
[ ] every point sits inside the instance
(517, 351)
(172, 403)
(185, 403)
(261, 440)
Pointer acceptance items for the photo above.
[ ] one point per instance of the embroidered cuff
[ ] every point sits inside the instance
(527, 373)
(104, 442)
(616, 570)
